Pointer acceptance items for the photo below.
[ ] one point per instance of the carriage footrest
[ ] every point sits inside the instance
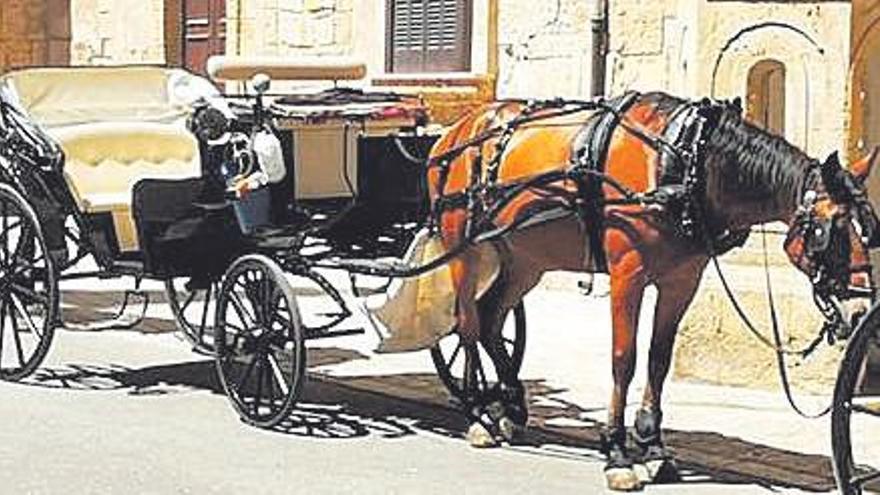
(124, 320)
(325, 334)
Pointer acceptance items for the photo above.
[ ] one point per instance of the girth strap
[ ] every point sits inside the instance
(590, 152)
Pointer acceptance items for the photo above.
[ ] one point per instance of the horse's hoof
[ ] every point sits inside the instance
(510, 430)
(622, 479)
(662, 471)
(479, 437)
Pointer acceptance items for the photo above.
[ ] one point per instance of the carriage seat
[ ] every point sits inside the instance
(105, 161)
(116, 125)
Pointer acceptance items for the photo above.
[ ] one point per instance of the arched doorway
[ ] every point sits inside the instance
(765, 103)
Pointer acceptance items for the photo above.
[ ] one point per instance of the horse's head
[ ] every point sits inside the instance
(833, 229)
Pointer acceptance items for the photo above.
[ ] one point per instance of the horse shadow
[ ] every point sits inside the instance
(394, 406)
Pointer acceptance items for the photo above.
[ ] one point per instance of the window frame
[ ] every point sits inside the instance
(466, 39)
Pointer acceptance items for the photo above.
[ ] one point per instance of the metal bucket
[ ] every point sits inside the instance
(252, 211)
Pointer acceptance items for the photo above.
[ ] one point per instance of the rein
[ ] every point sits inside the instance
(776, 345)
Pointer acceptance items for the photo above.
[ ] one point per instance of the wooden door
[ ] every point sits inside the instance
(204, 32)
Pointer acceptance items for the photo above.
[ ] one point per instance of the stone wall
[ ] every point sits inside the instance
(544, 48)
(34, 32)
(696, 48)
(290, 27)
(714, 345)
(117, 32)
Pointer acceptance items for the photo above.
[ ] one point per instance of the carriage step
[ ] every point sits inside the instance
(325, 334)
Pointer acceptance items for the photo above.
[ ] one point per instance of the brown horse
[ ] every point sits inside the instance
(748, 177)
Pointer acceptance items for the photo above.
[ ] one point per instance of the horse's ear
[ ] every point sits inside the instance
(833, 161)
(831, 170)
(861, 169)
(737, 104)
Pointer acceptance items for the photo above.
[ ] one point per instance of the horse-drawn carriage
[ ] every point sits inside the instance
(227, 198)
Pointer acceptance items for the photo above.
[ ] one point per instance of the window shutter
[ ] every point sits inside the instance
(429, 35)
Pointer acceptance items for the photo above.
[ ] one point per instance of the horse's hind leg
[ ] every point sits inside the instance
(675, 291)
(505, 403)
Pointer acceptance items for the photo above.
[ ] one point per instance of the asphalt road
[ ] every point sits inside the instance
(137, 412)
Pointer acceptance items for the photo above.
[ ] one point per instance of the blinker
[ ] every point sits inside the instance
(818, 234)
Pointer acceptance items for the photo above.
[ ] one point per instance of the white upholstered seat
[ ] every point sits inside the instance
(116, 125)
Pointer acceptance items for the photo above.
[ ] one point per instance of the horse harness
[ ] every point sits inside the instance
(681, 191)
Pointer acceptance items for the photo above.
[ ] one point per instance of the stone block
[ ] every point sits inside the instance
(319, 30)
(343, 27)
(316, 5)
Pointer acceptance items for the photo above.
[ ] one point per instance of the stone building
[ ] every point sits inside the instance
(509, 43)
(806, 69)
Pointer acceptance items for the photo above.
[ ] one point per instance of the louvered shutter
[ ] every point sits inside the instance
(429, 35)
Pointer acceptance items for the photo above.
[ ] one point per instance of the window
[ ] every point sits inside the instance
(766, 96)
(428, 36)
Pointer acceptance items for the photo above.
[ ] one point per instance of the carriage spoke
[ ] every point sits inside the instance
(5, 229)
(246, 318)
(12, 259)
(17, 338)
(33, 296)
(16, 302)
(2, 328)
(247, 374)
(266, 300)
(258, 396)
(279, 375)
(4, 236)
(253, 299)
(238, 329)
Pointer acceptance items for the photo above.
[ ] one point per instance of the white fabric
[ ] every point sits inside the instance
(270, 156)
(420, 311)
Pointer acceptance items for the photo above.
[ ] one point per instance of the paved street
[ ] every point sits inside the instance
(136, 412)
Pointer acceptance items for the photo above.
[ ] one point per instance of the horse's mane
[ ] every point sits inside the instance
(748, 160)
(764, 164)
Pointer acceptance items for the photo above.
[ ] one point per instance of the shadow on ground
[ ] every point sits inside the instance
(399, 405)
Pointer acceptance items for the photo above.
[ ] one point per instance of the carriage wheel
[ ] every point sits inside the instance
(28, 288)
(856, 410)
(462, 368)
(259, 341)
(194, 310)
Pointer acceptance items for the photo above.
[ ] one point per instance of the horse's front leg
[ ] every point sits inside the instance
(627, 288)
(675, 291)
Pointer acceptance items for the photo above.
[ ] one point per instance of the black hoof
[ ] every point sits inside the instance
(510, 430)
(656, 464)
(658, 471)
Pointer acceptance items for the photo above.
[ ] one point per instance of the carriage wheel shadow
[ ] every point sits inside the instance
(394, 406)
